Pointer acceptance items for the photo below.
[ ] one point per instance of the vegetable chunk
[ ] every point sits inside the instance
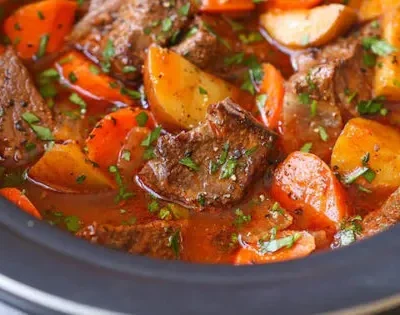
(179, 92)
(39, 28)
(305, 186)
(307, 28)
(368, 147)
(220, 6)
(82, 76)
(65, 168)
(108, 136)
(19, 199)
(387, 77)
(286, 246)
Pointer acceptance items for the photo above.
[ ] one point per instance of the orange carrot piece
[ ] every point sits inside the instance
(301, 247)
(39, 28)
(84, 77)
(226, 5)
(107, 138)
(273, 88)
(305, 186)
(292, 4)
(18, 198)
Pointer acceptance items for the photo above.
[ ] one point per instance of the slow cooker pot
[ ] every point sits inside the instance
(44, 270)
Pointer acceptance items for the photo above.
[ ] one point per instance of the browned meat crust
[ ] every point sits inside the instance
(159, 239)
(129, 27)
(19, 144)
(229, 151)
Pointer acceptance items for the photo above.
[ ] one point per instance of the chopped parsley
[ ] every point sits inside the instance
(166, 25)
(72, 223)
(42, 133)
(228, 169)
(94, 69)
(371, 107)
(153, 206)
(306, 148)
(250, 38)
(202, 91)
(354, 175)
(80, 179)
(131, 93)
(142, 119)
(153, 136)
(128, 69)
(378, 46)
(249, 152)
(108, 53)
(304, 98)
(44, 40)
(274, 245)
(323, 134)
(235, 59)
(241, 218)
(349, 229)
(201, 199)
(72, 77)
(188, 162)
(184, 10)
(123, 193)
(126, 155)
(174, 242)
(40, 15)
(313, 108)
(76, 99)
(260, 101)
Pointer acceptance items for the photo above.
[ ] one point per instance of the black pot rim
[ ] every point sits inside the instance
(54, 262)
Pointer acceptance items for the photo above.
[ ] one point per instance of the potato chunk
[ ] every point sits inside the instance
(387, 77)
(179, 92)
(366, 143)
(306, 28)
(65, 168)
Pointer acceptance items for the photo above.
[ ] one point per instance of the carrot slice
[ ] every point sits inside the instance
(39, 28)
(226, 5)
(305, 186)
(82, 76)
(292, 4)
(107, 138)
(303, 246)
(18, 198)
(272, 91)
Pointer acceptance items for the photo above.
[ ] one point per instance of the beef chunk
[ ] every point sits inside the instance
(333, 80)
(19, 144)
(216, 47)
(118, 33)
(382, 219)
(223, 156)
(158, 239)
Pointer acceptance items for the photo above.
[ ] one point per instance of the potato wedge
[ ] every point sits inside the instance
(179, 92)
(66, 169)
(388, 5)
(307, 28)
(387, 77)
(382, 143)
(370, 9)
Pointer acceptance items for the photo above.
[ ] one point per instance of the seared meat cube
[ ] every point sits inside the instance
(325, 93)
(159, 239)
(213, 164)
(387, 216)
(20, 142)
(118, 33)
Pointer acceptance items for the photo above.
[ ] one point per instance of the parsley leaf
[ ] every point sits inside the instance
(187, 161)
